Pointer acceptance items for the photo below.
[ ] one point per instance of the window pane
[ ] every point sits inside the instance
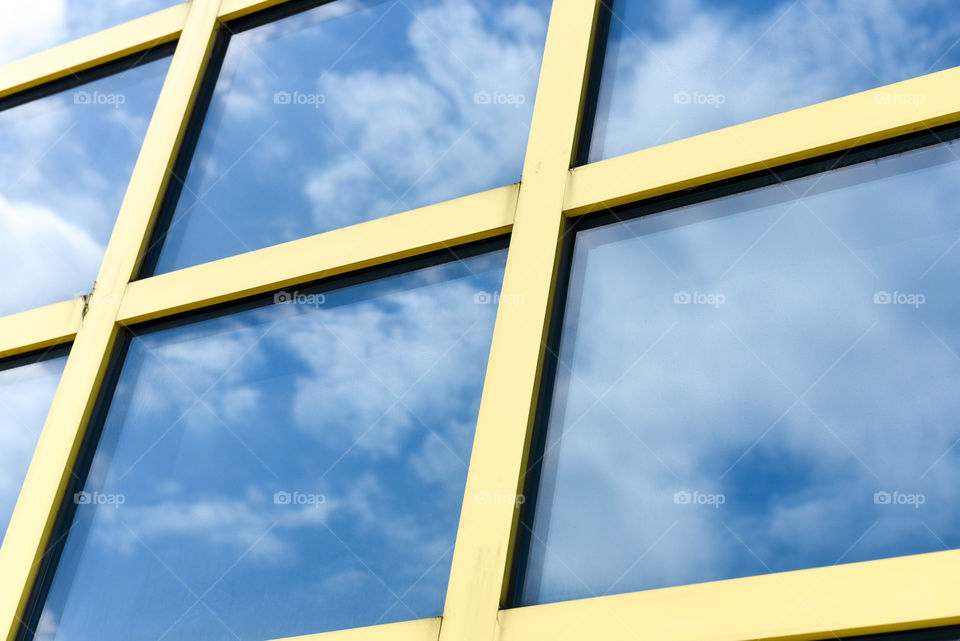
(759, 383)
(27, 386)
(30, 28)
(295, 467)
(65, 161)
(350, 112)
(677, 69)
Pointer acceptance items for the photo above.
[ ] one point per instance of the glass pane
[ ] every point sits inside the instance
(284, 470)
(759, 383)
(30, 28)
(27, 386)
(65, 161)
(350, 112)
(678, 69)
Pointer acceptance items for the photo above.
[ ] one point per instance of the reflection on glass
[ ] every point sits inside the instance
(676, 69)
(759, 383)
(284, 470)
(27, 386)
(353, 111)
(29, 28)
(65, 161)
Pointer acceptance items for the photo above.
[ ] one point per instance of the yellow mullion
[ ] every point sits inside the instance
(482, 556)
(40, 327)
(835, 125)
(93, 50)
(416, 630)
(50, 470)
(887, 595)
(480, 216)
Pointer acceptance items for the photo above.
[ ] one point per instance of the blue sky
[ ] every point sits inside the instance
(26, 392)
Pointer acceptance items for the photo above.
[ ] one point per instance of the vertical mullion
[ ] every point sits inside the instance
(31, 526)
(485, 540)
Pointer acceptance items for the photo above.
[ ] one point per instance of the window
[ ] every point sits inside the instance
(65, 160)
(756, 383)
(290, 468)
(677, 69)
(27, 29)
(351, 112)
(27, 385)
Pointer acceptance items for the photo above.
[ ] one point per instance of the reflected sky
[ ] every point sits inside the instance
(763, 382)
(285, 470)
(28, 28)
(27, 386)
(65, 161)
(355, 110)
(677, 68)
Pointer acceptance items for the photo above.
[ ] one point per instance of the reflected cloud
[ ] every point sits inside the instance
(307, 452)
(678, 69)
(65, 161)
(351, 112)
(800, 422)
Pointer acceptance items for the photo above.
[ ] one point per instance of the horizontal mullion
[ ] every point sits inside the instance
(858, 598)
(93, 50)
(417, 630)
(454, 222)
(232, 9)
(40, 327)
(870, 116)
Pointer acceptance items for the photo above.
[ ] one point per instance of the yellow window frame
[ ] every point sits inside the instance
(891, 594)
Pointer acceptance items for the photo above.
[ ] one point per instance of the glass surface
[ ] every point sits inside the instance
(27, 386)
(679, 68)
(759, 383)
(29, 28)
(65, 161)
(284, 470)
(353, 111)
